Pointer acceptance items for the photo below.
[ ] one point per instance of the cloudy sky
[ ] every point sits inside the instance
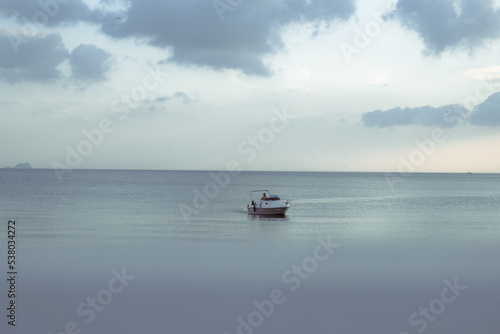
(347, 85)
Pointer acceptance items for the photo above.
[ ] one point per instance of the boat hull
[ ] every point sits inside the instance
(267, 211)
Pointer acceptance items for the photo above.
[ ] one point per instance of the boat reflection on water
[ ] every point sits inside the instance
(281, 217)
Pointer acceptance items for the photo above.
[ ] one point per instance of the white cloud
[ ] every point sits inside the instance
(484, 73)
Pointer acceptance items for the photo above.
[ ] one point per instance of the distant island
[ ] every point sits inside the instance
(25, 165)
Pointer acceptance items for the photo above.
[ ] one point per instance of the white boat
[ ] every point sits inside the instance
(268, 204)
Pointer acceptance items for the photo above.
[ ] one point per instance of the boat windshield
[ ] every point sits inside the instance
(274, 198)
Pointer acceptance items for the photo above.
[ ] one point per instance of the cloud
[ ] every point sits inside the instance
(449, 24)
(190, 30)
(162, 98)
(37, 60)
(444, 117)
(35, 13)
(484, 114)
(195, 36)
(39, 57)
(183, 97)
(488, 112)
(89, 64)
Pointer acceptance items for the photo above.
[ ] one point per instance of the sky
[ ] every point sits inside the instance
(292, 85)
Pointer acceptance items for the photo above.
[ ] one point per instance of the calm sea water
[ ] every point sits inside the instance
(163, 207)
(421, 256)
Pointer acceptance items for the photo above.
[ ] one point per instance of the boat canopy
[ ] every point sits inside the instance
(269, 196)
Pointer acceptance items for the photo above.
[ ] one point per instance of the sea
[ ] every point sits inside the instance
(129, 251)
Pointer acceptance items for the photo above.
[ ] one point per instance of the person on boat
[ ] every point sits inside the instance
(264, 197)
